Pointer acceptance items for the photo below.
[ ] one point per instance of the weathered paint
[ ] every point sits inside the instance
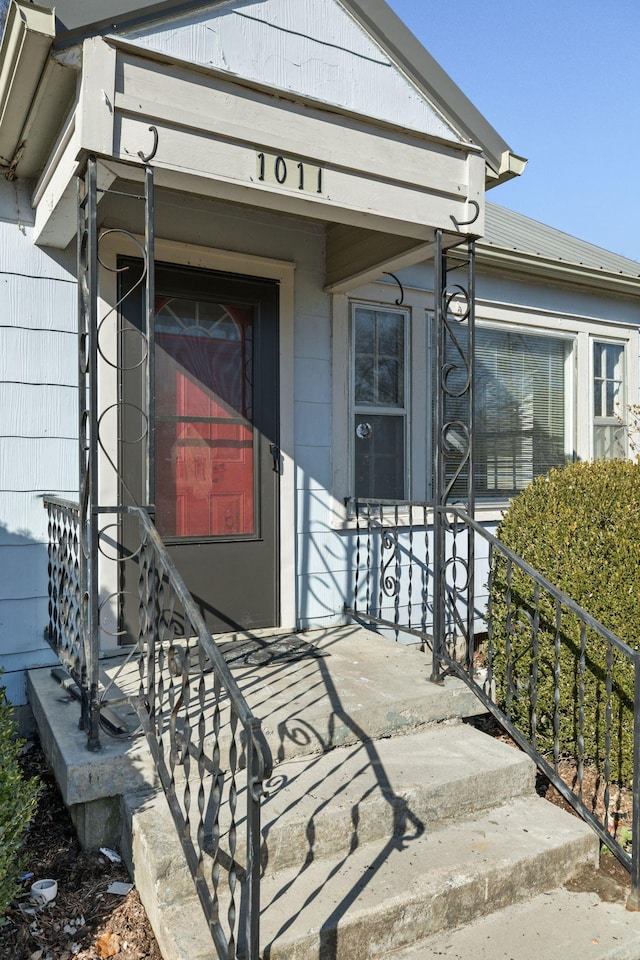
(307, 47)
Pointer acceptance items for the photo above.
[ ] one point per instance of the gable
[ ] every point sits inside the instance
(313, 48)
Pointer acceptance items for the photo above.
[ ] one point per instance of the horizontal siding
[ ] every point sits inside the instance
(313, 423)
(39, 410)
(312, 380)
(24, 514)
(38, 464)
(315, 50)
(313, 466)
(38, 426)
(22, 625)
(44, 304)
(24, 571)
(38, 356)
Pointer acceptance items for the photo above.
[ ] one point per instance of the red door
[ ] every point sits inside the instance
(214, 429)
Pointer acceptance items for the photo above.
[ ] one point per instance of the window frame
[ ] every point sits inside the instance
(531, 318)
(371, 409)
(609, 421)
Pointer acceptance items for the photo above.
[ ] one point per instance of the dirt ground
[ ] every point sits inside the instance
(84, 922)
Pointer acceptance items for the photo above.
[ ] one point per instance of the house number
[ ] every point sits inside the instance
(291, 173)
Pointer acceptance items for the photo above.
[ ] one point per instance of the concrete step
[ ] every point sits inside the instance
(356, 686)
(390, 894)
(552, 926)
(326, 806)
(382, 896)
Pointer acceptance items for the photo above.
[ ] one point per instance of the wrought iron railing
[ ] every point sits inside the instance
(393, 585)
(208, 748)
(564, 686)
(66, 630)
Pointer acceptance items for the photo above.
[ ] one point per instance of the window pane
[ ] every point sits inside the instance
(379, 357)
(205, 457)
(608, 400)
(390, 335)
(520, 409)
(612, 394)
(390, 385)
(364, 386)
(608, 442)
(365, 330)
(379, 456)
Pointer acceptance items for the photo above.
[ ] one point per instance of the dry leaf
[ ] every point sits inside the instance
(108, 945)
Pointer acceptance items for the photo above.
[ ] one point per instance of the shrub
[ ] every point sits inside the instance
(579, 526)
(18, 799)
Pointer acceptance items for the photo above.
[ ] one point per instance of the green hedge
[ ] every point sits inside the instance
(18, 800)
(580, 527)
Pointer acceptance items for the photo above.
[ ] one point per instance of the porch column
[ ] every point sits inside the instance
(453, 447)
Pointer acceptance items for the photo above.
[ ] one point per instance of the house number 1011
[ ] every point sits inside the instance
(291, 173)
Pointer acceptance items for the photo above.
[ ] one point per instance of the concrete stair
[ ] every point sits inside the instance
(394, 846)
(392, 830)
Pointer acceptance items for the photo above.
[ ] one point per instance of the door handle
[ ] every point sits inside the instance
(274, 450)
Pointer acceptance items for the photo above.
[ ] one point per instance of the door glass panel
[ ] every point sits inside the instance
(204, 433)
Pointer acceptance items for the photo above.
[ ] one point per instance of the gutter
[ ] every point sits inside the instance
(26, 42)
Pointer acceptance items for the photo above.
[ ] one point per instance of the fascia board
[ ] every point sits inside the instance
(543, 267)
(26, 42)
(426, 73)
(142, 53)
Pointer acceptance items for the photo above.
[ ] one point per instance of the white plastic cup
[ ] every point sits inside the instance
(44, 891)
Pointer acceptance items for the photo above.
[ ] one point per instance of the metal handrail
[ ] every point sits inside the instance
(386, 535)
(167, 711)
(189, 720)
(203, 634)
(542, 581)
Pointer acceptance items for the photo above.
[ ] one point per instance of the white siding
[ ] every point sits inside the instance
(38, 426)
(309, 47)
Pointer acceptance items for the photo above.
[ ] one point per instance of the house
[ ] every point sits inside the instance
(227, 232)
(326, 189)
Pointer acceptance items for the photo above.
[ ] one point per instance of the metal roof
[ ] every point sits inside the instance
(509, 231)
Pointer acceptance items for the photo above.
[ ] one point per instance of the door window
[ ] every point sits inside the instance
(205, 456)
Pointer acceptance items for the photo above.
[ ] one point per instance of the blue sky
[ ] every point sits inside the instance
(560, 82)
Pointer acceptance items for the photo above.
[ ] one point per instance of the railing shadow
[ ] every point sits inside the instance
(314, 730)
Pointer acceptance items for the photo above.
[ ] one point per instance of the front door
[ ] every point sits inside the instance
(214, 435)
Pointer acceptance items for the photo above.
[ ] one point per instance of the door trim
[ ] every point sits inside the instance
(226, 261)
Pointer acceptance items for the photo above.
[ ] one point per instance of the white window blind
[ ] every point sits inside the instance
(520, 400)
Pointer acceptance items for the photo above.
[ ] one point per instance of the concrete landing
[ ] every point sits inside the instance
(557, 926)
(354, 687)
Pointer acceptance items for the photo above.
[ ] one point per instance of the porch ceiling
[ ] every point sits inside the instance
(381, 190)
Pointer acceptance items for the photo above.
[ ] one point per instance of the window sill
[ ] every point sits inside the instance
(492, 512)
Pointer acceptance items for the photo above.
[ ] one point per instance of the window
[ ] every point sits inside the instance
(379, 401)
(608, 400)
(521, 397)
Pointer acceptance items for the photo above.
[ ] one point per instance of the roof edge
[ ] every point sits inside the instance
(26, 42)
(535, 265)
(378, 18)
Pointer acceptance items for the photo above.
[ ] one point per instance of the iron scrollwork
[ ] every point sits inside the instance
(389, 557)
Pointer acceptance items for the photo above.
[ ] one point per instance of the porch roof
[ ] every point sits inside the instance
(78, 19)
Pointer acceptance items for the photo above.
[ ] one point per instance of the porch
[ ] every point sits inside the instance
(387, 823)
